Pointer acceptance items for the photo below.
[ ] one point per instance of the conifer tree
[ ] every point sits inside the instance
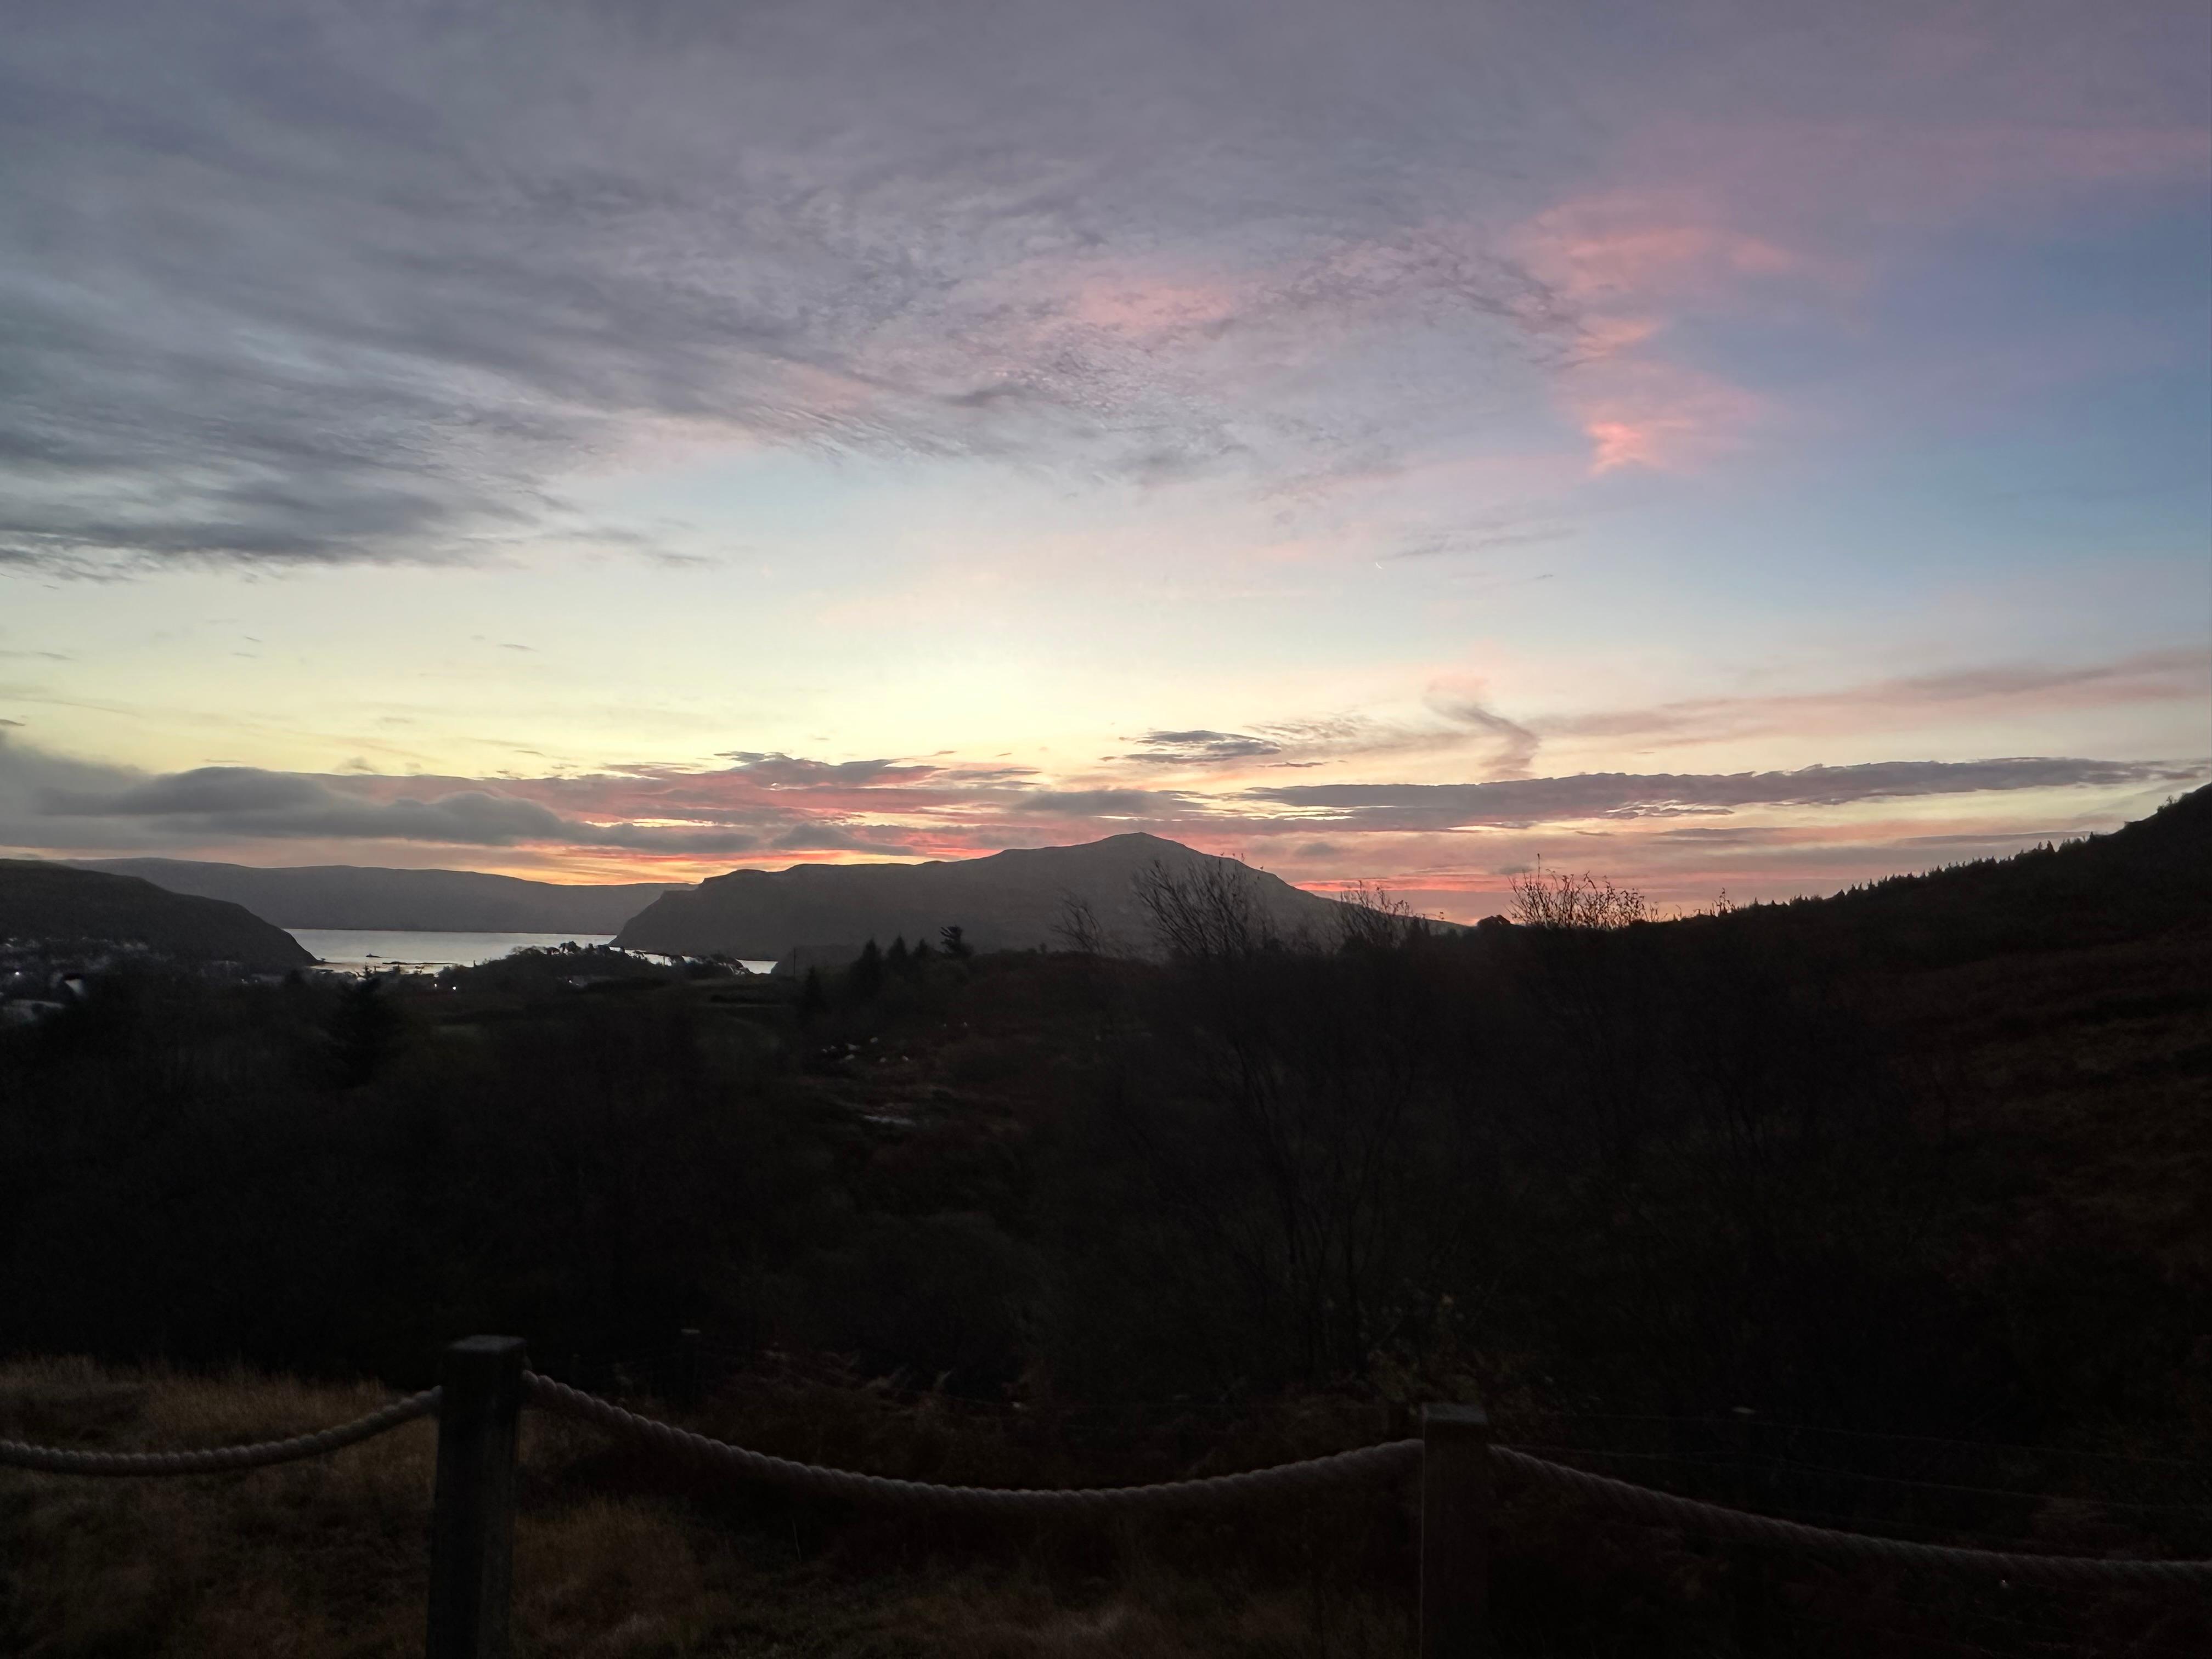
(866, 978)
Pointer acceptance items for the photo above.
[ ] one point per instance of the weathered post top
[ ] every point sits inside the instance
(1455, 1419)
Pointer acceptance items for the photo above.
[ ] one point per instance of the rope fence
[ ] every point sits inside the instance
(1310, 1474)
(486, 1385)
(1665, 1509)
(220, 1460)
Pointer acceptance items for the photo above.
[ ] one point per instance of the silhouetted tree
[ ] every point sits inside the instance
(956, 942)
(813, 1002)
(364, 1031)
(1078, 929)
(896, 957)
(1546, 898)
(865, 979)
(1208, 912)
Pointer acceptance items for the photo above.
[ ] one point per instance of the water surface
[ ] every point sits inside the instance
(369, 950)
(365, 948)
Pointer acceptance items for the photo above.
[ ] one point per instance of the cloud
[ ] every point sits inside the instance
(208, 791)
(1629, 267)
(46, 801)
(628, 825)
(362, 284)
(777, 771)
(1485, 538)
(1158, 806)
(2183, 675)
(1517, 743)
(1660, 416)
(1201, 748)
(829, 838)
(1458, 721)
(1520, 803)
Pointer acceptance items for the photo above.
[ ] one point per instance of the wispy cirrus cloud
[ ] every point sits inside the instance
(1491, 535)
(1458, 719)
(389, 286)
(1629, 267)
(2015, 689)
(1521, 803)
(355, 284)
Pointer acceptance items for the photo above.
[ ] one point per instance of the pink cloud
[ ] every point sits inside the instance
(1777, 213)
(1831, 178)
(1150, 306)
(1628, 266)
(2014, 689)
(1659, 415)
(1625, 249)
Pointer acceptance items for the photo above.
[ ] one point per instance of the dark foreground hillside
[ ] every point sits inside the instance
(1782, 1208)
(53, 904)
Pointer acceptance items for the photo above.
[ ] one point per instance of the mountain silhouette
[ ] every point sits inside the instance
(1010, 901)
(359, 897)
(54, 904)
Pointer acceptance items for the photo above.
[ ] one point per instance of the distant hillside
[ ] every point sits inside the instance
(54, 903)
(2147, 877)
(438, 901)
(1009, 901)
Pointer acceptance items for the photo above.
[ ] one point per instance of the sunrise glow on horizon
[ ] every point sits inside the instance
(1715, 449)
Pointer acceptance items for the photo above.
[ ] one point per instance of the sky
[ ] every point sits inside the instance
(1724, 447)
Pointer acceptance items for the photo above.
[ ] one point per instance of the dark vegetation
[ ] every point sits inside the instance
(1742, 1204)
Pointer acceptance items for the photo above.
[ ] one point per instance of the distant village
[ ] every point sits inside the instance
(41, 978)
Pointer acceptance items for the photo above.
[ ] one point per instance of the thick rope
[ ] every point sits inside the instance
(1311, 1475)
(1393, 1456)
(215, 1460)
(1665, 1508)
(1315, 1474)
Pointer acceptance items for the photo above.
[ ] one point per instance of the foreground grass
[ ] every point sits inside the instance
(621, 1554)
(330, 1556)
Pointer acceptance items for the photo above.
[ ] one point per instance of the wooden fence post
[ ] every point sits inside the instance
(691, 1368)
(472, 1528)
(1748, 1568)
(1454, 1532)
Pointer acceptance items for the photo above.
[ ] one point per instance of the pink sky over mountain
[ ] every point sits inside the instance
(1710, 447)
